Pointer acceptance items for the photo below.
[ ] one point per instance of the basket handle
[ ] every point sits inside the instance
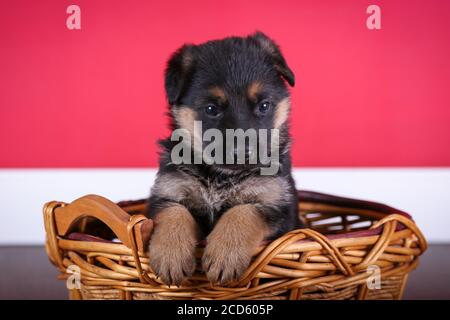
(117, 219)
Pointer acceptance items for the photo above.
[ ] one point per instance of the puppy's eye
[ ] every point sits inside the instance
(212, 110)
(264, 107)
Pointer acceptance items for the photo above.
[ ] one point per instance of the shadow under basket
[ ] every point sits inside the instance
(350, 249)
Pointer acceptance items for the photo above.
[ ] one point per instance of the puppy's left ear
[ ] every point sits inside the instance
(274, 51)
(178, 72)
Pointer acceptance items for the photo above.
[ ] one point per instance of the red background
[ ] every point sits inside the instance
(94, 97)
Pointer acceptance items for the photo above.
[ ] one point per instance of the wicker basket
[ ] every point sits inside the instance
(347, 243)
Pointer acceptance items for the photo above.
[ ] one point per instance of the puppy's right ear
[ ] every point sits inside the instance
(178, 71)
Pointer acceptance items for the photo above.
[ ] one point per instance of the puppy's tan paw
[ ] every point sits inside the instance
(171, 263)
(172, 246)
(223, 263)
(231, 244)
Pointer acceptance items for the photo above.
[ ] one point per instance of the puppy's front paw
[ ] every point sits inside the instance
(232, 243)
(172, 246)
(223, 262)
(170, 262)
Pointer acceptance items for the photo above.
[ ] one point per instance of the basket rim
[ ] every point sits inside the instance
(313, 196)
(304, 196)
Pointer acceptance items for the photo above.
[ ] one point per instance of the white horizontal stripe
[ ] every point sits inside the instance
(422, 192)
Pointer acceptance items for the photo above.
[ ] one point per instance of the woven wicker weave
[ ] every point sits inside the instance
(333, 258)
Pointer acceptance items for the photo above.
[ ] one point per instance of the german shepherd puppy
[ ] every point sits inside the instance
(234, 83)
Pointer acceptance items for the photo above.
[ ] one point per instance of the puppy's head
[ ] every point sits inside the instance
(234, 83)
